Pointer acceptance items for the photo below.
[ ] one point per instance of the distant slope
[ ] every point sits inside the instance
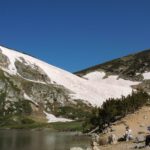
(129, 67)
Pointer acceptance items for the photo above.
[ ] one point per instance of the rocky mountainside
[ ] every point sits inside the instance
(128, 66)
(30, 86)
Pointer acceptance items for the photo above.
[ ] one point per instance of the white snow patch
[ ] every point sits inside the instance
(51, 118)
(95, 76)
(109, 87)
(27, 97)
(137, 74)
(146, 75)
(95, 90)
(30, 99)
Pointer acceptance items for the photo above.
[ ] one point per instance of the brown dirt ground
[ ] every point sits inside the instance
(138, 123)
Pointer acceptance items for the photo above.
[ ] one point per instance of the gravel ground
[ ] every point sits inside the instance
(124, 146)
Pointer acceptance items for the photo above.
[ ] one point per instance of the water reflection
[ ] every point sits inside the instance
(40, 140)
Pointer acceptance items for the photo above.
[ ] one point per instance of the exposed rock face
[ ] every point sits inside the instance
(13, 90)
(32, 73)
(145, 85)
(30, 92)
(4, 61)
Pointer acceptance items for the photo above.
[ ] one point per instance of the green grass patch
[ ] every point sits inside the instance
(67, 126)
(23, 122)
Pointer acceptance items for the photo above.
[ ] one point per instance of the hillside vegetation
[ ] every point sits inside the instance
(115, 109)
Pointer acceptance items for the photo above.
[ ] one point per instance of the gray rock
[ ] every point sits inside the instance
(76, 148)
(140, 138)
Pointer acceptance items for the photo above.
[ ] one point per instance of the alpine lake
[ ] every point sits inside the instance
(33, 139)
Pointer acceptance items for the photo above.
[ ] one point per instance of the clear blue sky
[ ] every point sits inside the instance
(75, 34)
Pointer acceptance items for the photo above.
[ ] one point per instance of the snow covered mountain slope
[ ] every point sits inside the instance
(92, 88)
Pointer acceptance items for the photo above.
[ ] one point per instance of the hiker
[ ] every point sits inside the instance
(147, 141)
(128, 134)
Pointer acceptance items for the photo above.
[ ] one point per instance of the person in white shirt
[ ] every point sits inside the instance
(128, 134)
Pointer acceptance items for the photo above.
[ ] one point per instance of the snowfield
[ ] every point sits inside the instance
(146, 75)
(93, 88)
(51, 118)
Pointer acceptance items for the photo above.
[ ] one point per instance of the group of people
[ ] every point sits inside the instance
(112, 139)
(128, 136)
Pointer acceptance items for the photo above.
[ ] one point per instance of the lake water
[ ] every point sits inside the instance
(41, 140)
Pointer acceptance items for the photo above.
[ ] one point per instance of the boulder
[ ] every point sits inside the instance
(112, 139)
(96, 148)
(140, 138)
(94, 144)
(103, 140)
